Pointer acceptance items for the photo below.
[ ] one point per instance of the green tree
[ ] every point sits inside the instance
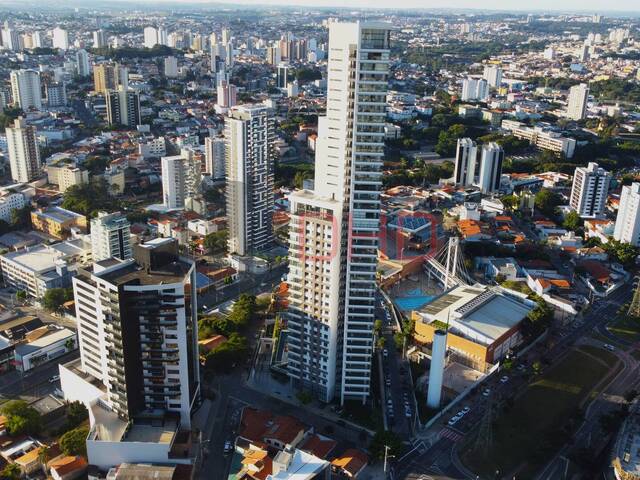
(386, 438)
(54, 298)
(447, 140)
(21, 218)
(74, 442)
(547, 202)
(216, 242)
(21, 418)
(572, 221)
(230, 353)
(90, 198)
(11, 471)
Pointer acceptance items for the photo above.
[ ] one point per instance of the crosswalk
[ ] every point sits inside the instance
(450, 434)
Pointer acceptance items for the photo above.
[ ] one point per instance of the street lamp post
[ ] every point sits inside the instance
(386, 457)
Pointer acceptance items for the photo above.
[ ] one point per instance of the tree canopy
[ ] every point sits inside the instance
(54, 298)
(74, 442)
(89, 198)
(21, 418)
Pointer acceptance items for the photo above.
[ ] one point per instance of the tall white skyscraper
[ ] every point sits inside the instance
(493, 75)
(99, 39)
(226, 36)
(110, 237)
(589, 190)
(577, 102)
(36, 39)
(475, 90)
(10, 38)
(26, 89)
(181, 177)
(333, 232)
(226, 95)
(171, 67)
(214, 156)
(60, 38)
(627, 229)
(150, 37)
(466, 160)
(24, 154)
(249, 135)
(82, 63)
(490, 168)
(162, 36)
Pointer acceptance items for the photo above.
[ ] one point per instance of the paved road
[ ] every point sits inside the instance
(34, 385)
(399, 405)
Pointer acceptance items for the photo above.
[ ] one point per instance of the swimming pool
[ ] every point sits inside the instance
(413, 300)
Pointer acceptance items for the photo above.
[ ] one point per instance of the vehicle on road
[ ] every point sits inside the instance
(466, 409)
(228, 447)
(385, 353)
(504, 379)
(609, 347)
(55, 378)
(486, 392)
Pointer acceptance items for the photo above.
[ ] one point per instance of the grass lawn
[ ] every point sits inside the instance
(625, 327)
(543, 417)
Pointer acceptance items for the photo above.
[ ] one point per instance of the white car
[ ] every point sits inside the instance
(385, 353)
(466, 410)
(486, 392)
(55, 378)
(453, 420)
(504, 379)
(611, 348)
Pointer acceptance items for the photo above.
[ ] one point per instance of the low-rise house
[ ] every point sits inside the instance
(277, 431)
(350, 464)
(67, 468)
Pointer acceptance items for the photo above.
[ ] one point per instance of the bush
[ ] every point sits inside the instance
(74, 442)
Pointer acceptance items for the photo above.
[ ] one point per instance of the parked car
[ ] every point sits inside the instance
(504, 379)
(486, 392)
(55, 378)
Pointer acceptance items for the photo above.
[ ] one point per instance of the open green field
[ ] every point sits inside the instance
(625, 327)
(543, 417)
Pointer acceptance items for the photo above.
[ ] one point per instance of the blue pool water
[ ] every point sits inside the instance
(414, 300)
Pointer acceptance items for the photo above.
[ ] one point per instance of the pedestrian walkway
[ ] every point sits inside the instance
(451, 435)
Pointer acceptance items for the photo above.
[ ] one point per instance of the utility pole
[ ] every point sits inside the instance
(386, 457)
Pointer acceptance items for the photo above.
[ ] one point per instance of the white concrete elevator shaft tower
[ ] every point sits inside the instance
(436, 370)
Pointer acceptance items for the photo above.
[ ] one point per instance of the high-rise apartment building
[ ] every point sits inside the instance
(475, 90)
(181, 177)
(334, 228)
(491, 160)
(60, 38)
(171, 67)
(123, 107)
(589, 190)
(110, 237)
(249, 135)
(627, 229)
(577, 102)
(99, 39)
(10, 38)
(150, 37)
(466, 162)
(24, 154)
(26, 89)
(283, 75)
(56, 93)
(138, 372)
(227, 94)
(493, 75)
(82, 63)
(109, 76)
(36, 39)
(214, 156)
(274, 56)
